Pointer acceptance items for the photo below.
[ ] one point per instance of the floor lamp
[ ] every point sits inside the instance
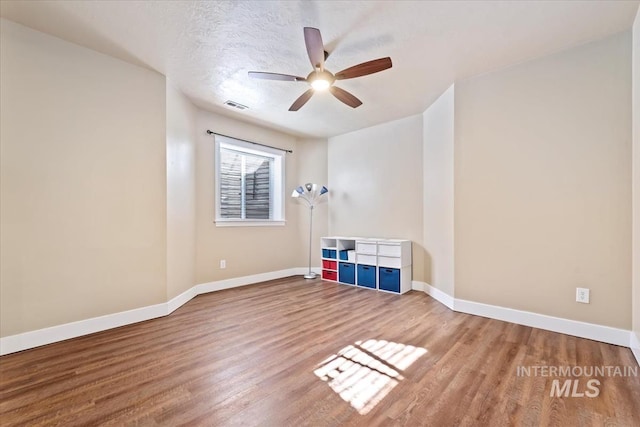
(310, 194)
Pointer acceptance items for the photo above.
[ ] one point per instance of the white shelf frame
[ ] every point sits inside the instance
(376, 252)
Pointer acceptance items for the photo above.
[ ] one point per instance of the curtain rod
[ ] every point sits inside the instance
(250, 142)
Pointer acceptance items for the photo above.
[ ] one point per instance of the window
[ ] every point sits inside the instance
(249, 183)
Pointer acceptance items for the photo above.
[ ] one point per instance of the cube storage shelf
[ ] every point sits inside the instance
(382, 264)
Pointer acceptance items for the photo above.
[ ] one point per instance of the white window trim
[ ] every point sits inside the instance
(225, 222)
(279, 165)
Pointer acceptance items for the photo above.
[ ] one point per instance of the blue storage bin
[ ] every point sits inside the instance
(389, 279)
(367, 276)
(347, 273)
(329, 253)
(344, 255)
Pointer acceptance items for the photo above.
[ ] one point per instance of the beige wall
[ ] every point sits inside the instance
(438, 192)
(636, 179)
(311, 162)
(83, 197)
(181, 192)
(100, 195)
(375, 177)
(543, 184)
(247, 250)
(107, 187)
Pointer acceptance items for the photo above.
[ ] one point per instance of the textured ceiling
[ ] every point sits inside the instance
(206, 48)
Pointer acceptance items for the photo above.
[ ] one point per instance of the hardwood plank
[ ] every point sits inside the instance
(247, 356)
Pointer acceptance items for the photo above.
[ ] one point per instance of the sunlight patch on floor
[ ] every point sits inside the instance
(365, 372)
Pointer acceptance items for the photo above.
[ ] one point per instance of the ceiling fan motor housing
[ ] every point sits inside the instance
(321, 75)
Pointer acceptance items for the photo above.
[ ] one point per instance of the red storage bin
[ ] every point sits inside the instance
(330, 265)
(330, 275)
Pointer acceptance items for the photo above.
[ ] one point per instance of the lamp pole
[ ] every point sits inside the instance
(310, 274)
(310, 193)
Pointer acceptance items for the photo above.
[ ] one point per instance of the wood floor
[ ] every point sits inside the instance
(297, 353)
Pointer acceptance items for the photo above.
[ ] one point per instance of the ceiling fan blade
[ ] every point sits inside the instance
(301, 100)
(345, 97)
(315, 47)
(275, 76)
(364, 69)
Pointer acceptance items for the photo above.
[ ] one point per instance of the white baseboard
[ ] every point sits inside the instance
(37, 338)
(177, 302)
(634, 344)
(40, 337)
(437, 294)
(235, 282)
(541, 321)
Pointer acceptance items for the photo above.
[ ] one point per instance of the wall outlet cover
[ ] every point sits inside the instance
(582, 295)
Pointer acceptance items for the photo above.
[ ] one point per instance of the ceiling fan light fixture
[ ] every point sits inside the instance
(320, 80)
(320, 84)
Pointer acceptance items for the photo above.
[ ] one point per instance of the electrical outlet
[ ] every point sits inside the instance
(223, 263)
(582, 295)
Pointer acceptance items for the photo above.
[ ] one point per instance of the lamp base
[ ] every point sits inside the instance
(311, 276)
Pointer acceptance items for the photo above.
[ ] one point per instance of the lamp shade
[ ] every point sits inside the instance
(297, 192)
(309, 192)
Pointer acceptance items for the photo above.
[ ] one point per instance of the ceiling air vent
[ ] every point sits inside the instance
(235, 105)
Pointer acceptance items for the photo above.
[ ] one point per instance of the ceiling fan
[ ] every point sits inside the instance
(321, 78)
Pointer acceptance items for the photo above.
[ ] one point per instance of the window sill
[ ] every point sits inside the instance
(247, 223)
